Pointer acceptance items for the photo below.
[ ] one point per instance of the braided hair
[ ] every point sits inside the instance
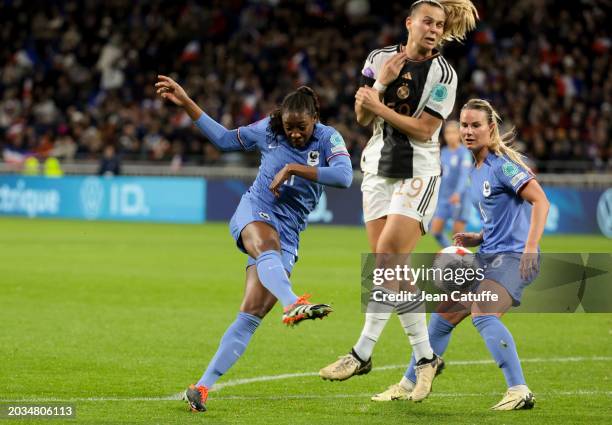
(304, 99)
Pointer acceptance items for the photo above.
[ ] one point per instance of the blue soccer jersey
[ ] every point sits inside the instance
(494, 188)
(456, 166)
(298, 196)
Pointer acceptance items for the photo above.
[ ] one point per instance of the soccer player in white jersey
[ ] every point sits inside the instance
(407, 91)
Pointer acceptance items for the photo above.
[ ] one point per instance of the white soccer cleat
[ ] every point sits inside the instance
(393, 393)
(516, 398)
(345, 367)
(425, 374)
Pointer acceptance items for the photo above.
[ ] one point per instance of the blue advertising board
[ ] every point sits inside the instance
(571, 210)
(158, 199)
(195, 200)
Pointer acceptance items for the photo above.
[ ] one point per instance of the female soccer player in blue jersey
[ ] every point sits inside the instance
(453, 202)
(513, 208)
(299, 154)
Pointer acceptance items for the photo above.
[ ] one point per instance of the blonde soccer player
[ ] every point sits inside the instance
(513, 209)
(407, 91)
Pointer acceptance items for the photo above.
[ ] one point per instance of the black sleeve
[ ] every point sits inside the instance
(434, 113)
(366, 81)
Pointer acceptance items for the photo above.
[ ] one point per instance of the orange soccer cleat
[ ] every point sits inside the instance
(304, 310)
(196, 397)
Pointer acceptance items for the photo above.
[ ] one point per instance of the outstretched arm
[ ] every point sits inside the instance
(221, 137)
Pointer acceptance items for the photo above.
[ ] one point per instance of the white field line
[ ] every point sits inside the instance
(244, 381)
(366, 396)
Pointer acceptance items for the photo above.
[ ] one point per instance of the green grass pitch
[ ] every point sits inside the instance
(118, 318)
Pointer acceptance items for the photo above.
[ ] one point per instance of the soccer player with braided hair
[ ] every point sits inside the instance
(407, 91)
(299, 155)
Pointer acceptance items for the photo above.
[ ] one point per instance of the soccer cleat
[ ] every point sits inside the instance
(425, 374)
(394, 392)
(517, 398)
(345, 367)
(304, 310)
(196, 397)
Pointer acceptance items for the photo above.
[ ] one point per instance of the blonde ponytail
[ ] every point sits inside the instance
(501, 144)
(461, 17)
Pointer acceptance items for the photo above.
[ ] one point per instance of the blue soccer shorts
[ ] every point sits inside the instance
(250, 210)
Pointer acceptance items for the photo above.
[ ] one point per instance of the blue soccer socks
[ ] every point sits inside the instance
(439, 336)
(501, 345)
(232, 346)
(442, 239)
(273, 276)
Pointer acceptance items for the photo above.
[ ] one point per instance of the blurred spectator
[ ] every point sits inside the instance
(52, 167)
(31, 166)
(110, 164)
(78, 75)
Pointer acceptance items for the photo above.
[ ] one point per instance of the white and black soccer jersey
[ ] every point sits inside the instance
(428, 85)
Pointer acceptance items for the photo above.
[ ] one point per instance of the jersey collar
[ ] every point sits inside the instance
(490, 158)
(316, 133)
(435, 53)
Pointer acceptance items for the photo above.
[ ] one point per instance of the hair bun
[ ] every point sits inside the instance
(306, 90)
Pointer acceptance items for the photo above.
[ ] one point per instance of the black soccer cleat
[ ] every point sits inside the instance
(196, 398)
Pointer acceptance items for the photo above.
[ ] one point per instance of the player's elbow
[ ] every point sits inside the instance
(364, 118)
(427, 132)
(542, 204)
(546, 204)
(427, 126)
(347, 178)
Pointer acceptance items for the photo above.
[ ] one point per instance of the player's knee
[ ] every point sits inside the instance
(388, 247)
(455, 317)
(265, 244)
(254, 310)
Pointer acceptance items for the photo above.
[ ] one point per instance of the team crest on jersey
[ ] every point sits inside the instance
(486, 189)
(510, 169)
(403, 92)
(439, 92)
(313, 158)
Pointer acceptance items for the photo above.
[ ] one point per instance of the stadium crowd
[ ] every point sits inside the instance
(78, 75)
